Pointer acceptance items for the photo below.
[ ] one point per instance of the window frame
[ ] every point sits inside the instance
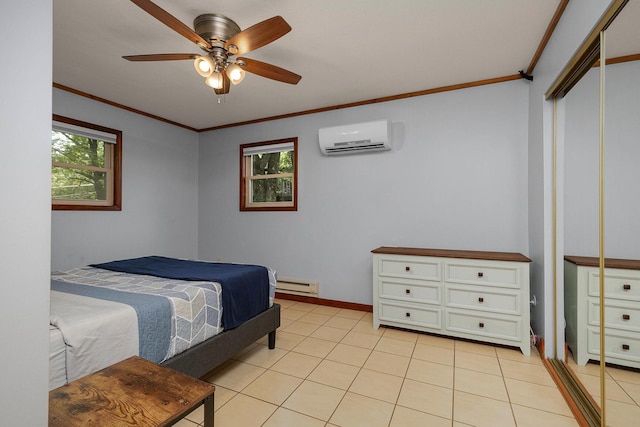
(245, 179)
(114, 187)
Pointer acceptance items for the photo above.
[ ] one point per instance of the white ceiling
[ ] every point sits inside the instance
(345, 50)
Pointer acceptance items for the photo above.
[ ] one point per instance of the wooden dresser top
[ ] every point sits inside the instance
(588, 261)
(450, 253)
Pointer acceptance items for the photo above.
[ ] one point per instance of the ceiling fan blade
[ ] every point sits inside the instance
(257, 35)
(226, 85)
(270, 71)
(162, 57)
(172, 22)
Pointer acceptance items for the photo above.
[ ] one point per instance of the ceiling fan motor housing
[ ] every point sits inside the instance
(217, 29)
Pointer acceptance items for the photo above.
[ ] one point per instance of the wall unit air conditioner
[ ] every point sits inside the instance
(354, 138)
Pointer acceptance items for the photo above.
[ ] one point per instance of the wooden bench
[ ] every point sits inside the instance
(132, 392)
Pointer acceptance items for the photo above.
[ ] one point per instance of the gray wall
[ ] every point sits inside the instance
(25, 173)
(159, 198)
(456, 178)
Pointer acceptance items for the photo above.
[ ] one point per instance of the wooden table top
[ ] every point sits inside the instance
(132, 392)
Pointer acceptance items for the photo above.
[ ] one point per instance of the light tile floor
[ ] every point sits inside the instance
(622, 388)
(330, 368)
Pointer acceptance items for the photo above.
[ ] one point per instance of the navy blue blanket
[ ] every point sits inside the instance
(245, 288)
(154, 315)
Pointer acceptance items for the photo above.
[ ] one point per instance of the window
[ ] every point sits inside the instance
(268, 175)
(85, 166)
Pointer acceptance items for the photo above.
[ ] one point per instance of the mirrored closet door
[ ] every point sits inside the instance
(598, 209)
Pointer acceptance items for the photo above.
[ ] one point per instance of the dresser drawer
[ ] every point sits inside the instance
(410, 267)
(482, 274)
(408, 290)
(410, 314)
(484, 325)
(616, 315)
(487, 298)
(625, 347)
(622, 284)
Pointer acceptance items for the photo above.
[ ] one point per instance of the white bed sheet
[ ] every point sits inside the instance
(96, 333)
(57, 359)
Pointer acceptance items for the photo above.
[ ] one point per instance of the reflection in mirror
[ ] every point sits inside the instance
(581, 233)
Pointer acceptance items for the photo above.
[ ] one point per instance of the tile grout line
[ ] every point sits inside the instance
(307, 377)
(350, 384)
(361, 367)
(294, 390)
(506, 389)
(404, 378)
(453, 385)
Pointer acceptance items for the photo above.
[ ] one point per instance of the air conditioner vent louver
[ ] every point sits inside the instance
(359, 137)
(360, 146)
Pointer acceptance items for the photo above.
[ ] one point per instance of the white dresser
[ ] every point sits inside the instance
(482, 296)
(621, 308)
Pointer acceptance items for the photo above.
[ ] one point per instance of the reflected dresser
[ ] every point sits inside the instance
(621, 308)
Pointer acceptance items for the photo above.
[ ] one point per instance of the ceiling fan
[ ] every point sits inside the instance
(221, 39)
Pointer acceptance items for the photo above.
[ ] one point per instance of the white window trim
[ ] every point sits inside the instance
(113, 164)
(109, 137)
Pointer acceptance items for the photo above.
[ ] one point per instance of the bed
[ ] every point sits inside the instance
(187, 315)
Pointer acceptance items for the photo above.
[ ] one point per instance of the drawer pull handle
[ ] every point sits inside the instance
(480, 299)
(408, 314)
(407, 291)
(481, 324)
(480, 274)
(626, 317)
(625, 346)
(626, 287)
(407, 268)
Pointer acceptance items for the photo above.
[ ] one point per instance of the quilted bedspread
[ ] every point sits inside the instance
(245, 287)
(194, 307)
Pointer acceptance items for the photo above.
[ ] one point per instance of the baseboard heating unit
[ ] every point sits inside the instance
(297, 287)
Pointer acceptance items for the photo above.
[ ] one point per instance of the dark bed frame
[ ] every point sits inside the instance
(206, 356)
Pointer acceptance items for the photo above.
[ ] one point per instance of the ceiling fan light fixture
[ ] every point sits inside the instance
(204, 65)
(215, 80)
(235, 73)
